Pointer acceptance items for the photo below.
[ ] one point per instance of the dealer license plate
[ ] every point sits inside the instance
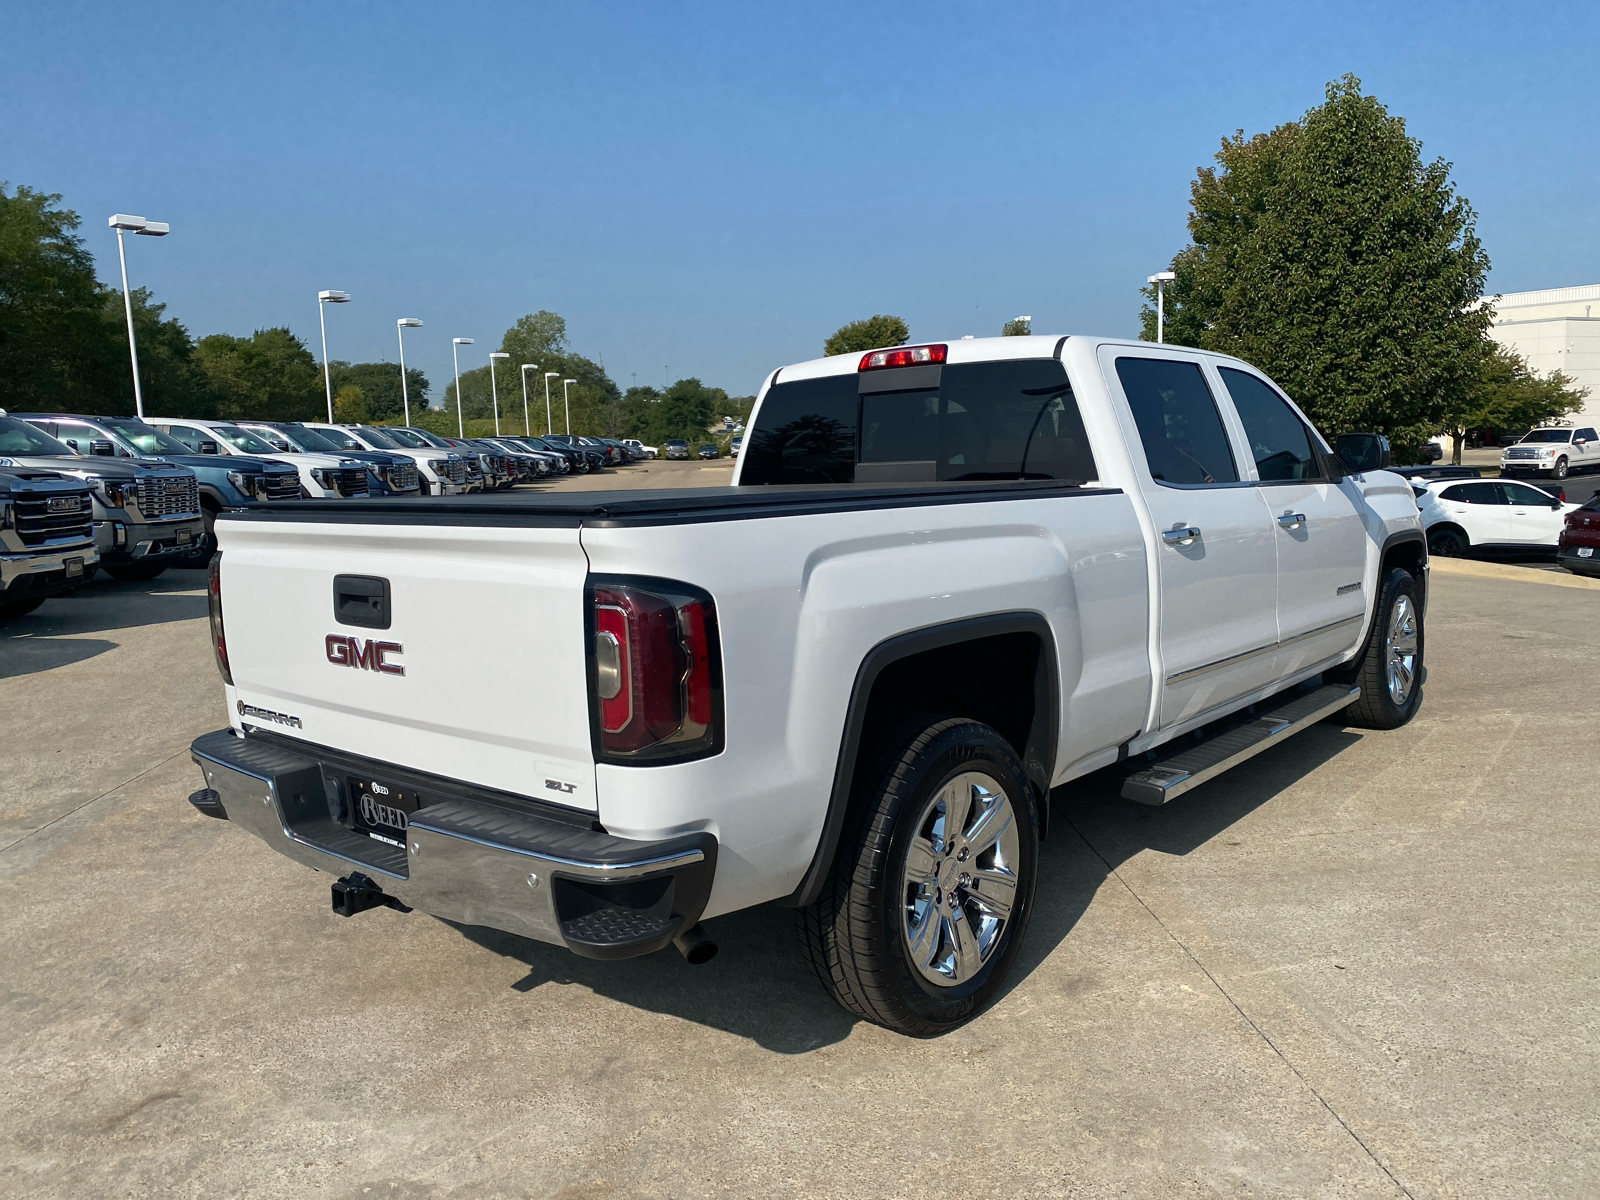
(74, 567)
(1585, 551)
(381, 810)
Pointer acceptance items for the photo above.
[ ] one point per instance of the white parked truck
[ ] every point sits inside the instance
(947, 580)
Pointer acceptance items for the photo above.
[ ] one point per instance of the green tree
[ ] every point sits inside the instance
(541, 338)
(55, 345)
(380, 385)
(350, 405)
(1508, 394)
(874, 333)
(1017, 327)
(270, 376)
(1330, 255)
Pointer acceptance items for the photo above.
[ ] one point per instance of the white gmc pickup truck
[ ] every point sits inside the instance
(947, 580)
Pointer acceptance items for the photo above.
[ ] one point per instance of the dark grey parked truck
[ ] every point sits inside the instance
(46, 538)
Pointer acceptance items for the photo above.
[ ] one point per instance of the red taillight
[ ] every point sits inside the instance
(904, 356)
(219, 639)
(656, 679)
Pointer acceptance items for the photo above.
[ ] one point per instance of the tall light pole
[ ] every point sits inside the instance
(323, 300)
(1161, 279)
(566, 400)
(455, 356)
(121, 222)
(403, 324)
(548, 376)
(527, 427)
(494, 389)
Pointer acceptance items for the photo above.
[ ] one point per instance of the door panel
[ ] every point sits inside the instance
(1321, 536)
(1217, 625)
(1530, 519)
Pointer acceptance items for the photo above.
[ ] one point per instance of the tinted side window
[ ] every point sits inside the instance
(1278, 441)
(806, 434)
(1178, 421)
(189, 437)
(1586, 434)
(1521, 493)
(1473, 493)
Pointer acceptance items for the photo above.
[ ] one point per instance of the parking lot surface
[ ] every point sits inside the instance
(1364, 964)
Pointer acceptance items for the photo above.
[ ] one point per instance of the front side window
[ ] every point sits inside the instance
(1521, 493)
(1278, 440)
(1179, 426)
(1586, 435)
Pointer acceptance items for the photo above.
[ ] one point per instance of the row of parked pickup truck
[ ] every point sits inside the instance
(80, 494)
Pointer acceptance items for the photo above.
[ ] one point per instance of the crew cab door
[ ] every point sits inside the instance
(1318, 526)
(1216, 561)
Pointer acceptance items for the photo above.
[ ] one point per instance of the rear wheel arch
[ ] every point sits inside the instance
(1001, 669)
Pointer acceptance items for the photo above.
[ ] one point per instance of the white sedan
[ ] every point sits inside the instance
(1488, 514)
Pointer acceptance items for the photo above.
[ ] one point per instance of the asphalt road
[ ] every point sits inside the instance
(1362, 965)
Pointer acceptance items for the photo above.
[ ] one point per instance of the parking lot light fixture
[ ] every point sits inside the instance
(403, 324)
(494, 388)
(527, 428)
(122, 223)
(325, 298)
(455, 356)
(1161, 279)
(566, 400)
(548, 376)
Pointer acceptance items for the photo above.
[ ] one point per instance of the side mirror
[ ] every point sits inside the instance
(73, 442)
(103, 448)
(207, 446)
(1363, 451)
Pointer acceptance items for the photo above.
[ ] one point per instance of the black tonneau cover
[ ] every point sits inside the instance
(656, 506)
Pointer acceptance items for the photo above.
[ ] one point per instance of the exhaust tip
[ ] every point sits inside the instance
(695, 946)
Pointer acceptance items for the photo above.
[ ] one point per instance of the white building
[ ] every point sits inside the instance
(1557, 329)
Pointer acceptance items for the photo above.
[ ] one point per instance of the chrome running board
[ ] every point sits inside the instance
(1176, 775)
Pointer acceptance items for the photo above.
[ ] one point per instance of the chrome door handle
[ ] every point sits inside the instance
(1292, 520)
(1180, 535)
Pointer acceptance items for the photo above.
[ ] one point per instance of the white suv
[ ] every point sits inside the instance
(1553, 451)
(1477, 514)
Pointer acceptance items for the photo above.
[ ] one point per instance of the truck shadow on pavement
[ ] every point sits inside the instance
(758, 987)
(49, 637)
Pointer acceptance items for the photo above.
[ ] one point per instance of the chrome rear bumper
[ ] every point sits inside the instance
(467, 858)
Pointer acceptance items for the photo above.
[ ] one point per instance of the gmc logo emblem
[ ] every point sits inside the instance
(369, 655)
(63, 504)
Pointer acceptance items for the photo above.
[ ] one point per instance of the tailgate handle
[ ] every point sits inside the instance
(361, 600)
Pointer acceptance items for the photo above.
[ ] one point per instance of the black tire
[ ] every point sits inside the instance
(856, 937)
(1561, 468)
(1377, 707)
(1447, 541)
(11, 609)
(139, 572)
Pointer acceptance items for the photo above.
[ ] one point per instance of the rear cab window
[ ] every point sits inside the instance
(1001, 420)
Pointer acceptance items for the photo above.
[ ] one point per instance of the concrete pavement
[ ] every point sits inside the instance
(1362, 965)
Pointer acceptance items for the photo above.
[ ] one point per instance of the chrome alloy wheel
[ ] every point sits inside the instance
(1400, 650)
(960, 881)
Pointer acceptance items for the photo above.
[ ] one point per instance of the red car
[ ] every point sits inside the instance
(1578, 548)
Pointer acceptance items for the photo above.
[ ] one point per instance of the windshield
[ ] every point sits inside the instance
(409, 438)
(18, 437)
(1549, 435)
(377, 437)
(240, 440)
(307, 441)
(146, 439)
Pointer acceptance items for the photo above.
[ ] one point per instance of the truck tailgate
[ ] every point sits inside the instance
(484, 676)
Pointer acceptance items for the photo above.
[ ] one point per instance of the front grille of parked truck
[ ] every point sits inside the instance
(402, 477)
(37, 525)
(283, 486)
(351, 481)
(162, 497)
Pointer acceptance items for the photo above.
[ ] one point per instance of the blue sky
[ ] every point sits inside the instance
(707, 189)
